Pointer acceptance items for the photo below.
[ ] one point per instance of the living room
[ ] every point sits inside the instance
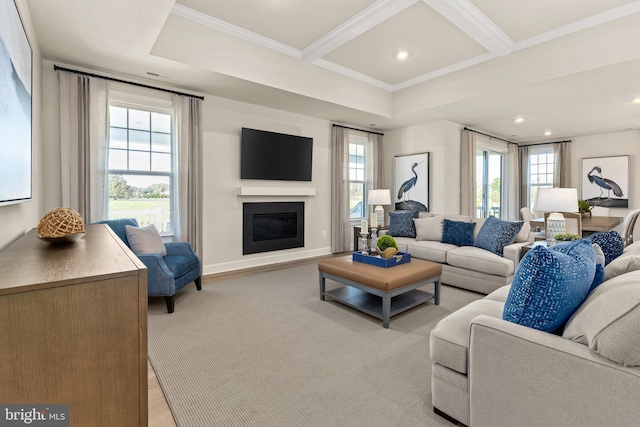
(426, 117)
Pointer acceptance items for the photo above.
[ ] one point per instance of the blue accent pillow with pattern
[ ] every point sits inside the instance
(495, 234)
(550, 284)
(401, 223)
(458, 233)
(610, 242)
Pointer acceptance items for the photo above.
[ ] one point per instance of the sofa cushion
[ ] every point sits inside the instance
(430, 250)
(610, 242)
(608, 322)
(457, 233)
(634, 247)
(523, 234)
(401, 224)
(449, 340)
(623, 264)
(145, 240)
(499, 294)
(476, 259)
(495, 234)
(550, 284)
(429, 228)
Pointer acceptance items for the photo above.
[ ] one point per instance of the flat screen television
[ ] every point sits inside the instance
(275, 156)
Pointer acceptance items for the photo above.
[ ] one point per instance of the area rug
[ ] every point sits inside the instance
(264, 350)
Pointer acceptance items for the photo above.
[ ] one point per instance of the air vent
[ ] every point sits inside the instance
(149, 73)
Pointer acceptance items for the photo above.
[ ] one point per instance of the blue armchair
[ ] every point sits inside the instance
(167, 274)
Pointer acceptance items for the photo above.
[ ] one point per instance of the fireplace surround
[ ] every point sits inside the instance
(272, 226)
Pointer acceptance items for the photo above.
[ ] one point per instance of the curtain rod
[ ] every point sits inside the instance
(361, 130)
(56, 68)
(490, 136)
(545, 143)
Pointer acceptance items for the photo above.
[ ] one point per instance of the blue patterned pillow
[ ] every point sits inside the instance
(401, 224)
(550, 284)
(610, 242)
(495, 234)
(458, 233)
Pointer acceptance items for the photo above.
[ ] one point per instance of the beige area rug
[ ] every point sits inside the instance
(263, 350)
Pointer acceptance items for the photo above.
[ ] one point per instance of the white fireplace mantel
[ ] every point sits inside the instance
(275, 191)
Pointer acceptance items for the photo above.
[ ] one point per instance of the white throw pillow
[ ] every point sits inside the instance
(145, 240)
(429, 228)
(523, 234)
(608, 322)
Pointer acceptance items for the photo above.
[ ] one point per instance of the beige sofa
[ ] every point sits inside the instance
(488, 372)
(465, 267)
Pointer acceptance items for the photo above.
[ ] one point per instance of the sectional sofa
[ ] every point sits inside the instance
(490, 372)
(468, 267)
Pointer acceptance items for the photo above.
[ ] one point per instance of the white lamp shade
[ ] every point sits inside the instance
(380, 197)
(557, 200)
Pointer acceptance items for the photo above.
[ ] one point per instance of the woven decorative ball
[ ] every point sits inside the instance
(61, 222)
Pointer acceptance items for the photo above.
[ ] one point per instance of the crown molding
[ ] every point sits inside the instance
(366, 19)
(332, 66)
(234, 30)
(583, 24)
(469, 19)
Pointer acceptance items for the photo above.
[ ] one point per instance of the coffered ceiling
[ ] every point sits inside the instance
(569, 67)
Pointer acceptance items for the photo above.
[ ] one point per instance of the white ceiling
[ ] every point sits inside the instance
(571, 67)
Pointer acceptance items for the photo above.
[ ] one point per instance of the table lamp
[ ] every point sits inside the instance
(379, 198)
(556, 201)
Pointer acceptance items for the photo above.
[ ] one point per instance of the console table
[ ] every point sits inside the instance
(590, 224)
(73, 328)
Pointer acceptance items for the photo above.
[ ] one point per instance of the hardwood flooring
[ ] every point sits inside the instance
(159, 413)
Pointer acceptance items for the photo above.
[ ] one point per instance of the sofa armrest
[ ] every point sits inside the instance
(160, 280)
(525, 377)
(514, 252)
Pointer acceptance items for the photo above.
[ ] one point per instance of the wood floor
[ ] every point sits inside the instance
(159, 413)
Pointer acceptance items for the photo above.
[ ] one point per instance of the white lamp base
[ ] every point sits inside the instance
(556, 224)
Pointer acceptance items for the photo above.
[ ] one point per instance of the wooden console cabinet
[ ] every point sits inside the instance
(73, 328)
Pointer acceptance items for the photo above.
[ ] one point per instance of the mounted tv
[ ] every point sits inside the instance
(275, 156)
(15, 107)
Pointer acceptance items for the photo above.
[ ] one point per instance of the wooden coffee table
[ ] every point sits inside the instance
(380, 292)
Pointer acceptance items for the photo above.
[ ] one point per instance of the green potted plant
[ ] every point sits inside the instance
(387, 246)
(584, 207)
(566, 237)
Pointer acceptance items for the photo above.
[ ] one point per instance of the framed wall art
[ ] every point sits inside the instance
(605, 181)
(15, 107)
(411, 184)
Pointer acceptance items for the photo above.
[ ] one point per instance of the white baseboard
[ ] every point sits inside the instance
(264, 260)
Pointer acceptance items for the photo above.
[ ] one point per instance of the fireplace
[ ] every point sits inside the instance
(272, 226)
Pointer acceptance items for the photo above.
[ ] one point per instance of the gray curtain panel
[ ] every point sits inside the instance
(84, 141)
(340, 224)
(188, 209)
(468, 173)
(524, 152)
(512, 187)
(562, 167)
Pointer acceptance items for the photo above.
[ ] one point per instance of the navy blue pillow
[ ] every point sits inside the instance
(401, 224)
(458, 233)
(495, 234)
(610, 242)
(550, 284)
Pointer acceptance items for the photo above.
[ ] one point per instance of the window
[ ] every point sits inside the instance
(489, 166)
(141, 165)
(541, 166)
(357, 176)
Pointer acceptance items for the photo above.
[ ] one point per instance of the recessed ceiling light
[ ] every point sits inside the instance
(403, 54)
(547, 133)
(636, 101)
(519, 120)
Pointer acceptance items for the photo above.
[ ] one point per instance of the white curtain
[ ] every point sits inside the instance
(512, 184)
(340, 224)
(188, 162)
(468, 173)
(84, 141)
(375, 163)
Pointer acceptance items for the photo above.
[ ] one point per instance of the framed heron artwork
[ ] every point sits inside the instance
(411, 191)
(605, 181)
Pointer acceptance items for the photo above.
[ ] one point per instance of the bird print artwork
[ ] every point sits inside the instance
(605, 182)
(412, 182)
